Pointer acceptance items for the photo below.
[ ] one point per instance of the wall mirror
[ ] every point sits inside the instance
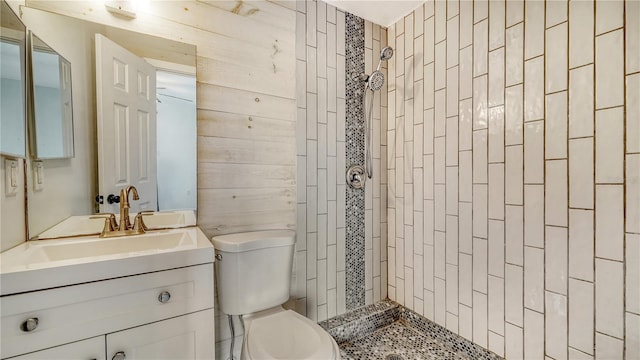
(71, 186)
(51, 113)
(12, 80)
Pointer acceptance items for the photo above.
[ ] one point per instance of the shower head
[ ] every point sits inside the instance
(376, 80)
(386, 53)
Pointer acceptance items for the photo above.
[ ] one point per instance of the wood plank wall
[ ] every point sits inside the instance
(245, 99)
(246, 107)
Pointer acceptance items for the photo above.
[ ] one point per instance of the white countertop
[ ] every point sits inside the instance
(43, 264)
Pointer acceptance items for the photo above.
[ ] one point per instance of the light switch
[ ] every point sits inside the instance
(38, 175)
(11, 177)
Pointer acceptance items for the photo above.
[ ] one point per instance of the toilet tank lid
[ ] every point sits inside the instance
(253, 240)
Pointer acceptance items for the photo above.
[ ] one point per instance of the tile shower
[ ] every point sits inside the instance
(510, 151)
(514, 184)
(340, 257)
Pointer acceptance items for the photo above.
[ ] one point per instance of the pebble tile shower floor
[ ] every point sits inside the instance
(388, 331)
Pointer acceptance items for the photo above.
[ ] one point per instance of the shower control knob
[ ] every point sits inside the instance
(120, 355)
(356, 176)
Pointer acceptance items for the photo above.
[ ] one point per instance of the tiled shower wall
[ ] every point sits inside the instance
(514, 174)
(320, 270)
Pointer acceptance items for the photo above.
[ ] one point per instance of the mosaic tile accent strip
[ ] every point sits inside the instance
(363, 320)
(355, 242)
(386, 328)
(360, 314)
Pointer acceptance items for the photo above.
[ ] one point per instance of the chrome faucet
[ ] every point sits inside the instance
(124, 227)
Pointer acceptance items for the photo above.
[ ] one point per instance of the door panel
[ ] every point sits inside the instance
(126, 99)
(185, 337)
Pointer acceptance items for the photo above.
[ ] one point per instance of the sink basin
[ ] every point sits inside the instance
(91, 224)
(97, 248)
(49, 263)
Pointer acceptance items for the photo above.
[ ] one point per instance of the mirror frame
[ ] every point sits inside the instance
(68, 132)
(24, 81)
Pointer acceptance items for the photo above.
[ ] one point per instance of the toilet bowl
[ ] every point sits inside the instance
(253, 279)
(284, 334)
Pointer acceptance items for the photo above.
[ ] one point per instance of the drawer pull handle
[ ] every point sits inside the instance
(29, 325)
(120, 355)
(164, 297)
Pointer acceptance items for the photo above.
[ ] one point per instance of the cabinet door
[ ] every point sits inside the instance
(185, 337)
(90, 349)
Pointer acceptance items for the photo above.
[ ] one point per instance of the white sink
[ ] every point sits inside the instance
(91, 224)
(51, 263)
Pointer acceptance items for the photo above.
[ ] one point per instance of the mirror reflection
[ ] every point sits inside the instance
(176, 104)
(52, 98)
(12, 82)
(76, 187)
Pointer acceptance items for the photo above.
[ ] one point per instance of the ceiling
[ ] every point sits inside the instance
(381, 12)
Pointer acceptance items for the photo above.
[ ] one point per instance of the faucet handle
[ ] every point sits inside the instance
(102, 215)
(138, 223)
(145, 213)
(108, 216)
(110, 224)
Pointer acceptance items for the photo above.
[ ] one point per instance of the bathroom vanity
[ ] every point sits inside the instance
(147, 296)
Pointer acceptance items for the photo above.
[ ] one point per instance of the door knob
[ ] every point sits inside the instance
(111, 199)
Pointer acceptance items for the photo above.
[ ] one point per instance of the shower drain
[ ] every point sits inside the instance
(394, 357)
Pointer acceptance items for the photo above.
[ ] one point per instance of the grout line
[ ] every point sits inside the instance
(611, 336)
(582, 280)
(610, 107)
(612, 30)
(592, 63)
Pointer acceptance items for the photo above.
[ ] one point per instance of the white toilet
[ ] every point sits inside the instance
(254, 274)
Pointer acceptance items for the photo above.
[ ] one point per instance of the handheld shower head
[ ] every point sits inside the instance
(376, 80)
(386, 53)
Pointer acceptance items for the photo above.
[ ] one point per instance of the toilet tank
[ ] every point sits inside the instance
(253, 270)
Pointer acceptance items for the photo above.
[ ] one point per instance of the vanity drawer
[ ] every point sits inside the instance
(81, 311)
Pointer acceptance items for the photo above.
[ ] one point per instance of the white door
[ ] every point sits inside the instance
(187, 337)
(126, 104)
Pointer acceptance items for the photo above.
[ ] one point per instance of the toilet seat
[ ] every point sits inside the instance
(285, 334)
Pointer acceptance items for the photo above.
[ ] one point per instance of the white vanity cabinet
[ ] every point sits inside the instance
(157, 315)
